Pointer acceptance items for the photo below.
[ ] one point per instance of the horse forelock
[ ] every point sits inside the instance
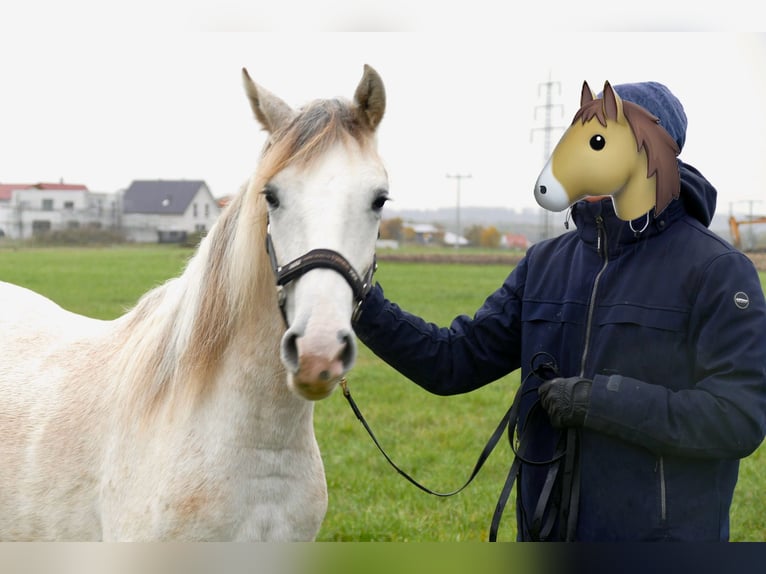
(661, 149)
(317, 127)
(589, 111)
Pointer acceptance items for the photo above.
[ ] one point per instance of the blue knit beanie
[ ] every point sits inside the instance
(658, 100)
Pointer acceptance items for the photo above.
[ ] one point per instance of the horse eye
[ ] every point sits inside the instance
(270, 194)
(379, 202)
(597, 142)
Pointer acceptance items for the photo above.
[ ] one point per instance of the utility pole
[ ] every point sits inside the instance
(547, 129)
(458, 177)
(752, 217)
(751, 235)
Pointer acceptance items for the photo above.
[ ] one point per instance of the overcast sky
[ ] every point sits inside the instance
(135, 99)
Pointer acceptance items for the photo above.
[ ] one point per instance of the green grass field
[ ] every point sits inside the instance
(434, 438)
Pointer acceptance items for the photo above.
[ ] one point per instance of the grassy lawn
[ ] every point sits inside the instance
(434, 438)
(100, 283)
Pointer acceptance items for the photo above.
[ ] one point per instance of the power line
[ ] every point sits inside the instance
(547, 129)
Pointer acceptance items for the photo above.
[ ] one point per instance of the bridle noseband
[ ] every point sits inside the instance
(319, 259)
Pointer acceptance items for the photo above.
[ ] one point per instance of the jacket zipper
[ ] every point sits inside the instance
(602, 248)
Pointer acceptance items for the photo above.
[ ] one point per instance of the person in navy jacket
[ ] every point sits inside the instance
(654, 343)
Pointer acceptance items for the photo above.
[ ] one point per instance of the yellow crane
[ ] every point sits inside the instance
(734, 224)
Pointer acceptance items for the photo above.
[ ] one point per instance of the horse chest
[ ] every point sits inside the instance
(217, 490)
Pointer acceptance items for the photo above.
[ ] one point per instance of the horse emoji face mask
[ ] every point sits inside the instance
(613, 147)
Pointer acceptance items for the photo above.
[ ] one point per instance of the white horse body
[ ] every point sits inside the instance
(176, 421)
(242, 465)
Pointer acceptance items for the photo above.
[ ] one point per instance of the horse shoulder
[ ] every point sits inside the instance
(52, 405)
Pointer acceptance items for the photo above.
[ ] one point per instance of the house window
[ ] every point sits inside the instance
(171, 236)
(207, 210)
(47, 205)
(69, 205)
(195, 210)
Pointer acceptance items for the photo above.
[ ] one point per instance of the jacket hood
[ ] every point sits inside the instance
(697, 194)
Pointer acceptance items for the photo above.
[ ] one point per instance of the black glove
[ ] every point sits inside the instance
(566, 400)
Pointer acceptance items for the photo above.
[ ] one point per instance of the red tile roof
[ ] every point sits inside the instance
(61, 186)
(7, 188)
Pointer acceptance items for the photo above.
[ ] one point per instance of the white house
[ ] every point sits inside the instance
(27, 210)
(453, 238)
(167, 211)
(425, 233)
(429, 234)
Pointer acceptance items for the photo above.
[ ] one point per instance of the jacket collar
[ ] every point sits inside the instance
(590, 216)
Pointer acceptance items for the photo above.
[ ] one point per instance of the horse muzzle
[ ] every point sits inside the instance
(319, 346)
(549, 193)
(317, 359)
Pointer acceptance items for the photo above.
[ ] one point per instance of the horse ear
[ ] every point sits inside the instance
(586, 95)
(370, 98)
(269, 110)
(612, 103)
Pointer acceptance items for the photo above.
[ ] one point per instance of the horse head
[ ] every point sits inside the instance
(624, 153)
(323, 186)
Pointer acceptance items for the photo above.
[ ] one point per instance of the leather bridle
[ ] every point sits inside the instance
(319, 259)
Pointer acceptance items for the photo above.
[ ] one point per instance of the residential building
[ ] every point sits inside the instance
(30, 209)
(167, 211)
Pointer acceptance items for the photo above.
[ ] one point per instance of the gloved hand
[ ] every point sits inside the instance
(566, 400)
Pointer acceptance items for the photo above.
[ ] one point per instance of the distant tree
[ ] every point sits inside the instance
(490, 237)
(473, 234)
(392, 229)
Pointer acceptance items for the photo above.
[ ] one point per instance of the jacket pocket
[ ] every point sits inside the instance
(553, 312)
(649, 344)
(666, 319)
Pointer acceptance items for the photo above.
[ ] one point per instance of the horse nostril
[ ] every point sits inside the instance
(290, 351)
(542, 190)
(348, 351)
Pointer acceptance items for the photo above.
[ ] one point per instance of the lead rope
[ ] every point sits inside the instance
(489, 447)
(570, 488)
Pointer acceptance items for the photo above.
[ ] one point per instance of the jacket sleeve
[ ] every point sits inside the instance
(468, 354)
(723, 415)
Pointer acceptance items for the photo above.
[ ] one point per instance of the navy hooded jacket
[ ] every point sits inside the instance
(669, 324)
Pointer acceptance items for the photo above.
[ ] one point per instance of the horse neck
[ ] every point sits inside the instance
(215, 328)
